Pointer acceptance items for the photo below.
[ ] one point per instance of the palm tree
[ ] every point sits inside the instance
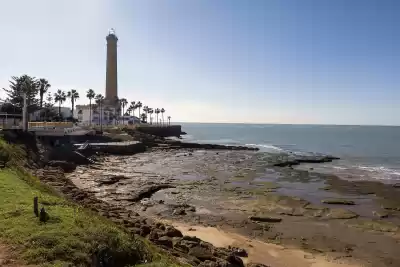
(74, 95)
(169, 120)
(144, 117)
(157, 111)
(132, 107)
(123, 102)
(60, 97)
(146, 109)
(43, 88)
(90, 94)
(139, 105)
(150, 111)
(49, 100)
(99, 102)
(162, 114)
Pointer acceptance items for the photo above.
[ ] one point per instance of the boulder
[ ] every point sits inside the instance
(179, 211)
(201, 253)
(265, 219)
(145, 230)
(208, 263)
(338, 201)
(164, 241)
(341, 214)
(235, 260)
(64, 165)
(172, 232)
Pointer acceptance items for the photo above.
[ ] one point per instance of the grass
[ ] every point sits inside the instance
(72, 235)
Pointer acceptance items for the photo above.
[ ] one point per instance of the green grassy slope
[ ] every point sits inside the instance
(71, 236)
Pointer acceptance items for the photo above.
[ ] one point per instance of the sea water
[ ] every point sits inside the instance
(366, 152)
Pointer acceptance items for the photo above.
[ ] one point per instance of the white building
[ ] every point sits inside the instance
(83, 113)
(109, 117)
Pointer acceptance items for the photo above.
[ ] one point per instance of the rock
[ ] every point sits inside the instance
(380, 214)
(172, 232)
(191, 238)
(251, 264)
(112, 179)
(148, 191)
(135, 230)
(154, 235)
(240, 252)
(64, 165)
(235, 260)
(201, 253)
(164, 241)
(208, 263)
(191, 229)
(265, 219)
(337, 201)
(179, 211)
(145, 230)
(191, 209)
(341, 214)
(43, 215)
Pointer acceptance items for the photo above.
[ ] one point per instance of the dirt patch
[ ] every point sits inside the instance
(8, 257)
(261, 252)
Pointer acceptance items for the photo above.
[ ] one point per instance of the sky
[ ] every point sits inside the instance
(258, 61)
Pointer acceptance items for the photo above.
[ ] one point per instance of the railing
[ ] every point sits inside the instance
(50, 124)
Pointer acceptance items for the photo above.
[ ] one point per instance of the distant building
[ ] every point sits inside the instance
(110, 114)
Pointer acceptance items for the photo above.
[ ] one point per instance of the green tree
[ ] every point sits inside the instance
(99, 102)
(139, 105)
(43, 88)
(151, 111)
(162, 114)
(60, 98)
(73, 95)
(124, 102)
(157, 111)
(18, 87)
(90, 94)
(49, 101)
(146, 109)
(132, 107)
(144, 117)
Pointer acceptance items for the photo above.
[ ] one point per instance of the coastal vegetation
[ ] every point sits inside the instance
(35, 90)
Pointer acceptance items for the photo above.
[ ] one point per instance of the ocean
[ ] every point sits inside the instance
(366, 152)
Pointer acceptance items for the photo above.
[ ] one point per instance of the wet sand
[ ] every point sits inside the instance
(224, 188)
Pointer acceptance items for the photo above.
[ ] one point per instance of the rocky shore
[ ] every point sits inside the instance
(247, 193)
(259, 196)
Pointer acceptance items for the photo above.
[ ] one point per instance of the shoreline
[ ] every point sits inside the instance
(220, 189)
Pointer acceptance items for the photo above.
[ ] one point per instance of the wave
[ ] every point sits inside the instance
(267, 148)
(380, 169)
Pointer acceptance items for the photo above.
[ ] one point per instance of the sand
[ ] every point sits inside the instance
(261, 252)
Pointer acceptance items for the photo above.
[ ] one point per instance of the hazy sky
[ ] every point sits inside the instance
(282, 61)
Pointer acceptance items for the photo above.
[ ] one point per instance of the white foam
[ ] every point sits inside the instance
(380, 169)
(268, 148)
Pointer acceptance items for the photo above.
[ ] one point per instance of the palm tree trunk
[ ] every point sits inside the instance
(90, 111)
(139, 115)
(72, 110)
(59, 109)
(162, 115)
(123, 114)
